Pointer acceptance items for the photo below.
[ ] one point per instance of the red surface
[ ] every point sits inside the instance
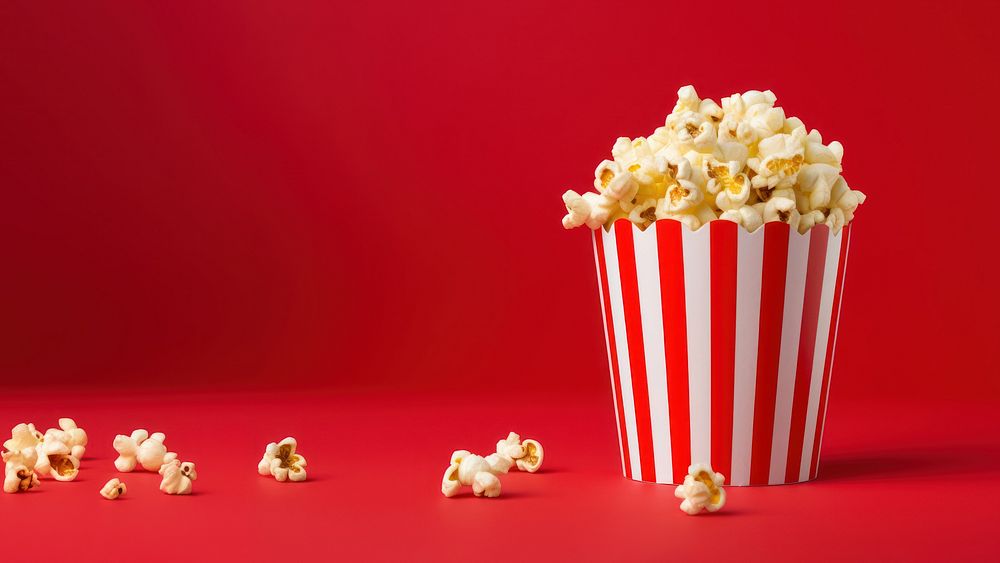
(894, 484)
(365, 196)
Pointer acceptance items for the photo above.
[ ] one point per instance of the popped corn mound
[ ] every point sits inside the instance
(743, 161)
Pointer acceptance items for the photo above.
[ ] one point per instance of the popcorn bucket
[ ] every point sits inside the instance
(720, 345)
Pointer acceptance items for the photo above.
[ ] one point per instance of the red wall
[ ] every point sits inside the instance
(368, 195)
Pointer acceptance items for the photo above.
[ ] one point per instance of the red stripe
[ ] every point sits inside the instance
(828, 363)
(636, 350)
(772, 302)
(723, 286)
(818, 238)
(613, 351)
(671, 255)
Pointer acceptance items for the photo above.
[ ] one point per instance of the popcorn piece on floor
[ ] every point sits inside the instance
(533, 455)
(177, 477)
(499, 463)
(113, 489)
(702, 490)
(281, 461)
(127, 448)
(19, 470)
(152, 454)
(470, 470)
(526, 455)
(71, 435)
(141, 449)
(55, 459)
(22, 437)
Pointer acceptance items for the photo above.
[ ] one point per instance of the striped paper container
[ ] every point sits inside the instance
(720, 345)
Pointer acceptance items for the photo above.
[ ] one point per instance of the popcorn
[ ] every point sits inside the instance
(142, 449)
(22, 437)
(746, 216)
(725, 161)
(152, 454)
(644, 213)
(113, 489)
(816, 182)
(533, 456)
(469, 470)
(19, 469)
(55, 459)
(702, 490)
(178, 477)
(810, 219)
(730, 187)
(281, 462)
(589, 209)
(499, 463)
(527, 455)
(780, 158)
(77, 437)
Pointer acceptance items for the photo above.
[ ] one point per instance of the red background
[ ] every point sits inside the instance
(364, 198)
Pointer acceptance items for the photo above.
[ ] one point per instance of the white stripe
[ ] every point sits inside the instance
(647, 265)
(697, 247)
(750, 261)
(819, 351)
(788, 359)
(621, 340)
(607, 343)
(840, 305)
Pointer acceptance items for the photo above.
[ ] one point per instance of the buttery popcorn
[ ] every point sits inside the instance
(724, 161)
(281, 462)
(702, 490)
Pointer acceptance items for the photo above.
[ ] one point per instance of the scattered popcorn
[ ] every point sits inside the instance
(527, 455)
(727, 161)
(281, 461)
(113, 489)
(19, 469)
(702, 490)
(143, 449)
(177, 477)
(470, 470)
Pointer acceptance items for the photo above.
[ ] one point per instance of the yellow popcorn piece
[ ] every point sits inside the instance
(730, 187)
(702, 490)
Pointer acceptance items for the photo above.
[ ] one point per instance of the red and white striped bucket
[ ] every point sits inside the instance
(720, 345)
